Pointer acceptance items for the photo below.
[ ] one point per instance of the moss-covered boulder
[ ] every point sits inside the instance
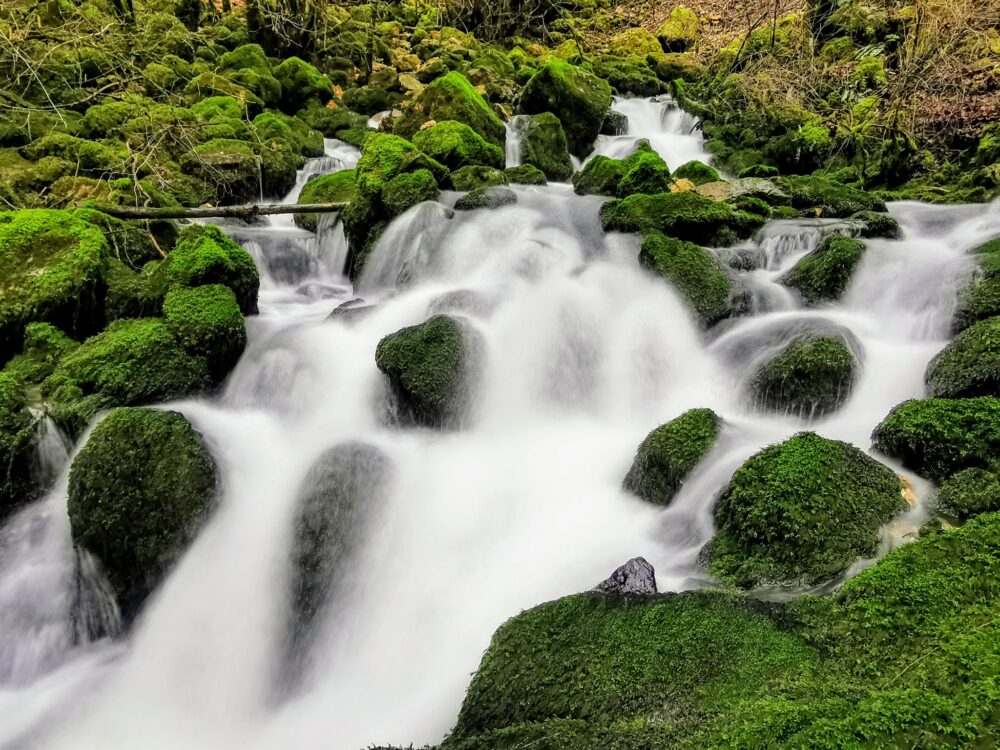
(576, 96)
(820, 196)
(969, 493)
(873, 224)
(468, 179)
(405, 191)
(697, 172)
(544, 145)
(431, 369)
(981, 298)
(139, 491)
(801, 512)
(301, 84)
(680, 31)
(686, 216)
(451, 97)
(456, 145)
(642, 171)
(208, 84)
(206, 321)
(230, 166)
(823, 274)
(970, 365)
(17, 446)
(44, 347)
(671, 452)
(939, 437)
(525, 174)
(51, 270)
(205, 255)
(811, 376)
(486, 197)
(337, 187)
(131, 362)
(693, 271)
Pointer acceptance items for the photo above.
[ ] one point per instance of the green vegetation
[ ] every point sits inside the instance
(970, 365)
(576, 96)
(823, 274)
(451, 97)
(686, 216)
(328, 188)
(456, 145)
(981, 298)
(486, 197)
(206, 321)
(136, 509)
(404, 191)
(969, 493)
(811, 376)
(643, 171)
(671, 452)
(801, 512)
(693, 271)
(544, 145)
(697, 172)
(17, 446)
(476, 178)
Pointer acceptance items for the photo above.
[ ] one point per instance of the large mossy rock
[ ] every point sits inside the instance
(404, 191)
(671, 452)
(697, 172)
(456, 145)
(801, 512)
(686, 216)
(576, 96)
(823, 274)
(679, 31)
(544, 145)
(139, 490)
(205, 255)
(337, 187)
(642, 171)
(451, 97)
(17, 446)
(131, 362)
(45, 346)
(206, 321)
(337, 499)
(969, 493)
(970, 365)
(811, 376)
(230, 166)
(939, 437)
(693, 271)
(301, 84)
(820, 196)
(51, 270)
(981, 298)
(431, 368)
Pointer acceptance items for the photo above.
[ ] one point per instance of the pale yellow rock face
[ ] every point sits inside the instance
(682, 185)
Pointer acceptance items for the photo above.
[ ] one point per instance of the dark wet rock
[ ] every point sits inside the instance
(614, 124)
(487, 198)
(465, 301)
(634, 578)
(351, 311)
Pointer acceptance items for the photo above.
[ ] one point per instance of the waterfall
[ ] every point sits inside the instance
(585, 353)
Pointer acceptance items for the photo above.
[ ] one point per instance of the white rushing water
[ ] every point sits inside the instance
(585, 354)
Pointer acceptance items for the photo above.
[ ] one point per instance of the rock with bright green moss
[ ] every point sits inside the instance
(131, 362)
(302, 84)
(824, 274)
(820, 196)
(468, 179)
(230, 166)
(51, 270)
(404, 191)
(136, 510)
(451, 97)
(812, 376)
(970, 365)
(44, 347)
(205, 255)
(17, 446)
(337, 187)
(801, 512)
(670, 453)
(642, 171)
(206, 321)
(980, 299)
(969, 493)
(693, 271)
(431, 369)
(697, 172)
(544, 145)
(128, 241)
(686, 216)
(525, 174)
(456, 145)
(208, 84)
(680, 31)
(576, 96)
(875, 224)
(104, 159)
(939, 437)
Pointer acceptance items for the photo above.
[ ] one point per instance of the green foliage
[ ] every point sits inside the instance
(406, 190)
(543, 145)
(686, 216)
(969, 493)
(696, 171)
(456, 145)
(301, 84)
(970, 365)
(811, 376)
(525, 174)
(576, 96)
(822, 196)
(939, 437)
(801, 512)
(981, 298)
(428, 367)
(671, 452)
(230, 166)
(642, 171)
(451, 97)
(44, 347)
(337, 187)
(875, 224)
(90, 157)
(823, 274)
(471, 178)
(693, 271)
(206, 321)
(680, 31)
(17, 441)
(139, 490)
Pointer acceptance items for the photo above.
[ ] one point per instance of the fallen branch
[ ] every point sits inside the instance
(246, 213)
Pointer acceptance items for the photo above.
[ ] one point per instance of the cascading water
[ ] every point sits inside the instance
(585, 354)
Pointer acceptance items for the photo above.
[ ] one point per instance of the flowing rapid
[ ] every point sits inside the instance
(585, 353)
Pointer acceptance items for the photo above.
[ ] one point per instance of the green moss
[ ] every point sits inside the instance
(970, 365)
(811, 376)
(406, 190)
(823, 274)
(801, 512)
(938, 437)
(642, 171)
(981, 298)
(544, 145)
(988, 150)
(456, 145)
(821, 196)
(630, 76)
(17, 443)
(759, 170)
(693, 271)
(576, 96)
(451, 97)
(44, 347)
(279, 165)
(474, 178)
(211, 85)
(131, 362)
(486, 197)
(139, 491)
(337, 187)
(206, 321)
(90, 157)
(429, 368)
(129, 242)
(686, 216)
(969, 493)
(230, 166)
(680, 31)
(696, 171)
(875, 224)
(600, 176)
(525, 174)
(50, 270)
(671, 452)
(301, 84)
